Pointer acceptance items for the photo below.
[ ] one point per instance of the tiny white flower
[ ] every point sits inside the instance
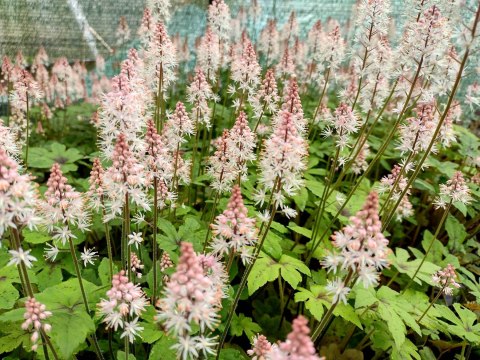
(21, 256)
(51, 252)
(289, 212)
(63, 234)
(340, 198)
(88, 256)
(339, 291)
(139, 218)
(131, 329)
(264, 216)
(206, 345)
(135, 239)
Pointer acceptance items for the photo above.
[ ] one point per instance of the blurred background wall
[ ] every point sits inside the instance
(73, 28)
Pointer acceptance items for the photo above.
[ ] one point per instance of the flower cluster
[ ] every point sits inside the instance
(359, 163)
(220, 168)
(96, 190)
(361, 246)
(456, 189)
(35, 315)
(446, 279)
(234, 232)
(282, 162)
(293, 105)
(241, 143)
(198, 94)
(297, 346)
(191, 297)
(160, 61)
(124, 109)
(124, 180)
(269, 42)
(158, 158)
(343, 123)
(261, 348)
(266, 99)
(418, 131)
(165, 263)
(18, 196)
(136, 265)
(124, 305)
(20, 256)
(246, 70)
(219, 19)
(63, 207)
(208, 54)
(395, 184)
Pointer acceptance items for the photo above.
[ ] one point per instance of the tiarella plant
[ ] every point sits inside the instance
(297, 191)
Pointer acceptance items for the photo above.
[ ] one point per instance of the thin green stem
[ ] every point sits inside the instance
(437, 231)
(127, 231)
(372, 163)
(430, 305)
(243, 282)
(27, 286)
(109, 243)
(280, 290)
(326, 318)
(49, 344)
(326, 77)
(127, 347)
(212, 216)
(154, 238)
(28, 133)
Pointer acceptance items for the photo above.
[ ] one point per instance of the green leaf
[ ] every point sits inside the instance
(436, 252)
(151, 332)
(243, 324)
(190, 231)
(300, 230)
(364, 297)
(407, 351)
(14, 315)
(104, 271)
(167, 228)
(264, 270)
(70, 329)
(315, 187)
(455, 230)
(13, 338)
(404, 266)
(279, 227)
(315, 299)
(291, 268)
(231, 354)
(461, 207)
(43, 158)
(301, 198)
(50, 275)
(35, 237)
(8, 295)
(394, 323)
(424, 185)
(272, 245)
(70, 322)
(162, 350)
(121, 355)
(347, 312)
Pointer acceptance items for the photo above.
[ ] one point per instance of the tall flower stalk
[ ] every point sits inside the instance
(63, 209)
(361, 252)
(455, 190)
(282, 163)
